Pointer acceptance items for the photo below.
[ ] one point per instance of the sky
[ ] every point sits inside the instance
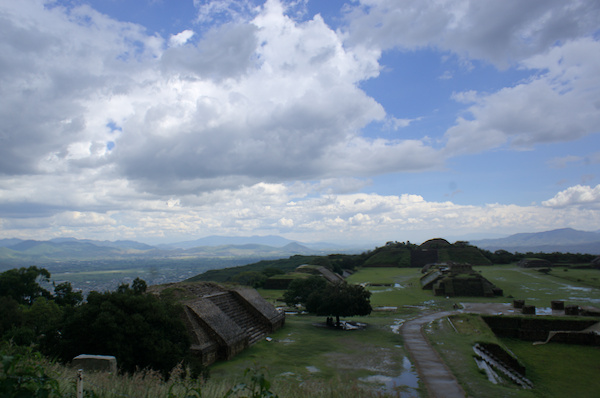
(352, 121)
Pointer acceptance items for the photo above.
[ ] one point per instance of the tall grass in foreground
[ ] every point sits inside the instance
(26, 373)
(149, 384)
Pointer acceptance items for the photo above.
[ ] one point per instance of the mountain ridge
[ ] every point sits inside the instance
(557, 240)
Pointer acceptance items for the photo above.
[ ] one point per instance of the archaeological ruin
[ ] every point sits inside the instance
(451, 280)
(221, 321)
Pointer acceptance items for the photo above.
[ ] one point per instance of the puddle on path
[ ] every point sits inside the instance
(385, 309)
(589, 300)
(397, 325)
(404, 386)
(383, 287)
(577, 288)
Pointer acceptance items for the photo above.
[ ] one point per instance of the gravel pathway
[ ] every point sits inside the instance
(436, 376)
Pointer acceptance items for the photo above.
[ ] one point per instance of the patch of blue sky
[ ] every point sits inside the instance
(506, 176)
(113, 126)
(163, 17)
(423, 81)
(329, 11)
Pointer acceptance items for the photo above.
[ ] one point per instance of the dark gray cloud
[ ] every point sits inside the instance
(223, 53)
(501, 32)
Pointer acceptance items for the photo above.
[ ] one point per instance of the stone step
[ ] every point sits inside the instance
(230, 305)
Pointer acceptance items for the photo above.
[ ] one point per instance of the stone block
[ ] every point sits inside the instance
(95, 363)
(528, 309)
(572, 310)
(518, 303)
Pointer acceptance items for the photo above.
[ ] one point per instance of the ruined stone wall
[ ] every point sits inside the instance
(538, 328)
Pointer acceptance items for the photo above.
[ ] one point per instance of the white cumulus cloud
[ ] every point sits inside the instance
(560, 104)
(181, 38)
(578, 195)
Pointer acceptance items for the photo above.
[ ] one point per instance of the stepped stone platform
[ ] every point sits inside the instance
(222, 322)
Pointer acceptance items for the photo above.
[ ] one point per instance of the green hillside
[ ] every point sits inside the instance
(389, 258)
(227, 274)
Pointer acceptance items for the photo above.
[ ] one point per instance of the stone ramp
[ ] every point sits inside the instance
(438, 379)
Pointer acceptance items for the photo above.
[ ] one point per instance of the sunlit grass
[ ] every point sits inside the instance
(386, 275)
(586, 277)
(539, 289)
(560, 370)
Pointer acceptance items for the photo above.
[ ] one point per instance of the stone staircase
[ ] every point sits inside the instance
(236, 310)
(499, 365)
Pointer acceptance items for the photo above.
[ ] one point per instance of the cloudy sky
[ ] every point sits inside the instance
(338, 120)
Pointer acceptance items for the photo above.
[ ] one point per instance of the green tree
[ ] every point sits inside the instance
(11, 314)
(300, 289)
(22, 284)
(64, 295)
(342, 299)
(139, 286)
(42, 320)
(140, 330)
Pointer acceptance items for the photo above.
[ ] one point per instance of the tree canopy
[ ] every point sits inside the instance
(300, 289)
(342, 299)
(22, 284)
(326, 299)
(141, 330)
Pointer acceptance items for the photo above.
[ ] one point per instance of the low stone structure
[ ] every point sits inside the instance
(223, 322)
(541, 329)
(95, 363)
(528, 309)
(282, 282)
(572, 310)
(518, 303)
(458, 280)
(331, 276)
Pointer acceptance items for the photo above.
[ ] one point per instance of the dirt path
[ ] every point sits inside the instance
(436, 376)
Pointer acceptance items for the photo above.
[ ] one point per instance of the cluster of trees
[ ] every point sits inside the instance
(140, 330)
(506, 257)
(326, 299)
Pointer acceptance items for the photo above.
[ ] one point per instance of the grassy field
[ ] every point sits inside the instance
(588, 277)
(539, 289)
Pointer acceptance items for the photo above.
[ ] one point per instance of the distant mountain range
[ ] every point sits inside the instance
(558, 240)
(216, 240)
(19, 251)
